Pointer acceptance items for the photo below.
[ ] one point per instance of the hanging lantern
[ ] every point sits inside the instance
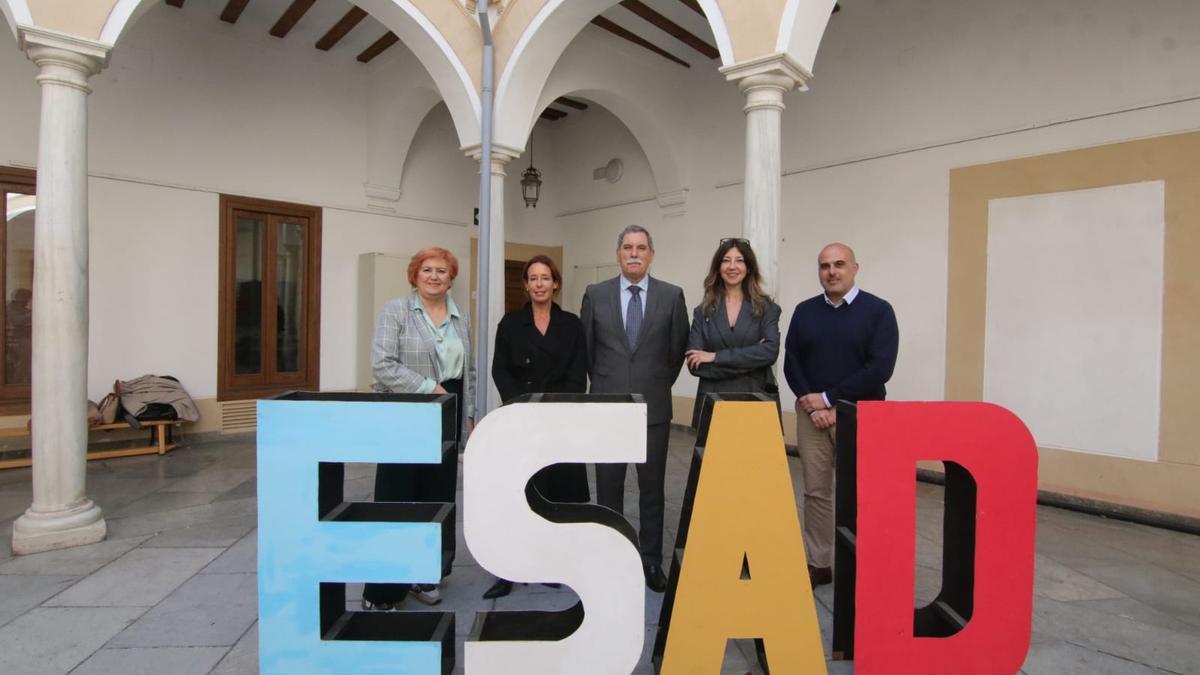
(531, 186)
(531, 181)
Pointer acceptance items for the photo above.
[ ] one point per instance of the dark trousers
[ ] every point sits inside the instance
(416, 483)
(610, 491)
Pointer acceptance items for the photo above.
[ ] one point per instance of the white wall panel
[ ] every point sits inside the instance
(1074, 316)
(153, 285)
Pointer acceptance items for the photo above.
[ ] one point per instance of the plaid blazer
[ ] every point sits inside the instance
(404, 355)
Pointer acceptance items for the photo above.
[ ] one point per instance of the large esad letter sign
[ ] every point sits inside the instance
(738, 568)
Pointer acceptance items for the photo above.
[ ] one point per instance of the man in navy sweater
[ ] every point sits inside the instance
(841, 345)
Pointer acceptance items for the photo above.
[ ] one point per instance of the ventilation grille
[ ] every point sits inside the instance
(238, 416)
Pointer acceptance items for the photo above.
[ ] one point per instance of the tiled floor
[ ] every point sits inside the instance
(173, 589)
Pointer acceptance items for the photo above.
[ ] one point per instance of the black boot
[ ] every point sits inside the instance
(501, 588)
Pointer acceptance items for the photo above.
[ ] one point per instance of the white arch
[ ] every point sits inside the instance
(644, 126)
(520, 86)
(392, 128)
(716, 21)
(16, 12)
(801, 29)
(403, 18)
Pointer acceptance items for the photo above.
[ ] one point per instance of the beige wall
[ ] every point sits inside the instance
(460, 30)
(1168, 484)
(753, 26)
(84, 18)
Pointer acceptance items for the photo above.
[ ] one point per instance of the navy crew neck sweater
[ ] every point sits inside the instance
(847, 352)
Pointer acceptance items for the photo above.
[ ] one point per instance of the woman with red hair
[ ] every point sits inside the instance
(422, 346)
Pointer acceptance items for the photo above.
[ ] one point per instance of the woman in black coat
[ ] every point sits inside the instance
(540, 349)
(734, 340)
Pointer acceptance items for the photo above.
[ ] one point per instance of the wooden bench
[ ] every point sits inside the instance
(160, 441)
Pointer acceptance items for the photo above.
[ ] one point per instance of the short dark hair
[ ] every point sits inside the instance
(631, 229)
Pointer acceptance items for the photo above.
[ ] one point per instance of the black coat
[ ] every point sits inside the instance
(527, 362)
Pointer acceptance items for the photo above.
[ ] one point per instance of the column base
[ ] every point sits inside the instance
(38, 531)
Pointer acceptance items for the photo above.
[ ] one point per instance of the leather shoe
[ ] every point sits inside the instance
(501, 588)
(655, 579)
(819, 576)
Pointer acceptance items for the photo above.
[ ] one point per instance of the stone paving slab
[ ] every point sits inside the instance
(246, 489)
(217, 534)
(158, 502)
(1059, 582)
(1128, 609)
(19, 594)
(241, 558)
(1063, 658)
(211, 480)
(13, 502)
(243, 658)
(48, 641)
(1171, 593)
(152, 661)
(6, 540)
(1071, 547)
(140, 578)
(79, 561)
(153, 523)
(1131, 640)
(209, 610)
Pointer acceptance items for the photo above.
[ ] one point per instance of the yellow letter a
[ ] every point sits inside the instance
(744, 510)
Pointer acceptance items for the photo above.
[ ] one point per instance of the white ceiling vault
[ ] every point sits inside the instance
(673, 29)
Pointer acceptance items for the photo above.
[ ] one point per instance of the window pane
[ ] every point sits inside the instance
(289, 270)
(247, 345)
(18, 285)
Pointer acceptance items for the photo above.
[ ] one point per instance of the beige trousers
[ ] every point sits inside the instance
(817, 454)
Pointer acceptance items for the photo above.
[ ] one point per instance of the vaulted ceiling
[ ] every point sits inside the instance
(675, 30)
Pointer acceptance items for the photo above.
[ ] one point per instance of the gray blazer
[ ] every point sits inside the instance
(652, 368)
(404, 354)
(746, 353)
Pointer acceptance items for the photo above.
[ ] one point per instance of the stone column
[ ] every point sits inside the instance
(61, 514)
(501, 156)
(764, 81)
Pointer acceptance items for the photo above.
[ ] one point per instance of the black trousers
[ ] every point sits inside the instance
(651, 474)
(417, 483)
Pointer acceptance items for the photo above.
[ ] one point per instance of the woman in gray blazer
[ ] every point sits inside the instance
(422, 345)
(734, 340)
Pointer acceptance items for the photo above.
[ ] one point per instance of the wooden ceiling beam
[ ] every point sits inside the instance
(233, 10)
(670, 28)
(644, 44)
(378, 47)
(694, 6)
(571, 103)
(291, 17)
(339, 30)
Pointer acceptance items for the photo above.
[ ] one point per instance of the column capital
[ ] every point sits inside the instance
(764, 80)
(63, 59)
(501, 155)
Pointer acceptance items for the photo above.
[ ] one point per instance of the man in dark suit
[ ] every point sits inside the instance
(636, 330)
